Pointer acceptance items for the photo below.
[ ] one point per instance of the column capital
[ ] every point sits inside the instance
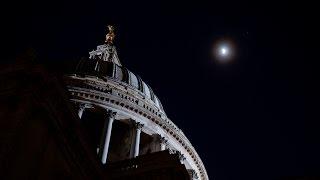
(138, 125)
(111, 113)
(172, 151)
(193, 174)
(163, 140)
(180, 156)
(84, 106)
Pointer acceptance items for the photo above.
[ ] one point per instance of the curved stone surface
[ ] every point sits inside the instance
(109, 70)
(102, 81)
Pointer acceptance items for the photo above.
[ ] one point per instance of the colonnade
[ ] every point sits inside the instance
(107, 132)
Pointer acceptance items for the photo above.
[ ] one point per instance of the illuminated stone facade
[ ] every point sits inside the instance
(131, 120)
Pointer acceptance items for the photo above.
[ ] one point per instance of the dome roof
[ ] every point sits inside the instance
(105, 64)
(102, 81)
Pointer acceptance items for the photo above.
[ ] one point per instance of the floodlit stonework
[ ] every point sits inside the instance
(134, 121)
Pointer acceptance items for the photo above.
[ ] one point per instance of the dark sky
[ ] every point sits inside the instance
(251, 119)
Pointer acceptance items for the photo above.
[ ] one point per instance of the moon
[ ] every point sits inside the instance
(223, 51)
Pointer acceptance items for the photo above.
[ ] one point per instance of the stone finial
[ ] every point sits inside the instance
(110, 36)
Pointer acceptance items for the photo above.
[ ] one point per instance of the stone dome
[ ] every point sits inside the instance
(98, 65)
(101, 82)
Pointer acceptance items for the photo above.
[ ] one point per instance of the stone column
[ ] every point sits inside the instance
(138, 127)
(163, 142)
(105, 140)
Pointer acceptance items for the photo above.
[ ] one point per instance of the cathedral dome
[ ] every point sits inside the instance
(111, 70)
(131, 111)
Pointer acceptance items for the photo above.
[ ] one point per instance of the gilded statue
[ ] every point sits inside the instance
(110, 36)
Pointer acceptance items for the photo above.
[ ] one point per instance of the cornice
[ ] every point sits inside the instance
(110, 92)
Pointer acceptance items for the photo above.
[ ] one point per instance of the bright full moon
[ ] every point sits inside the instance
(223, 51)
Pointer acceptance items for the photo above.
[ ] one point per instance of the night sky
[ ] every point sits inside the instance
(253, 118)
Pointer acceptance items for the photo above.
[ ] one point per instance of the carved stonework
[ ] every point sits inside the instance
(111, 114)
(83, 106)
(107, 85)
(105, 52)
(172, 151)
(193, 174)
(180, 156)
(120, 92)
(138, 125)
(163, 140)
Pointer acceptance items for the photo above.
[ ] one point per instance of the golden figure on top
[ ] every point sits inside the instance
(110, 36)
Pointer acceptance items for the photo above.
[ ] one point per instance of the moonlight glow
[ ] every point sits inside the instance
(223, 51)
